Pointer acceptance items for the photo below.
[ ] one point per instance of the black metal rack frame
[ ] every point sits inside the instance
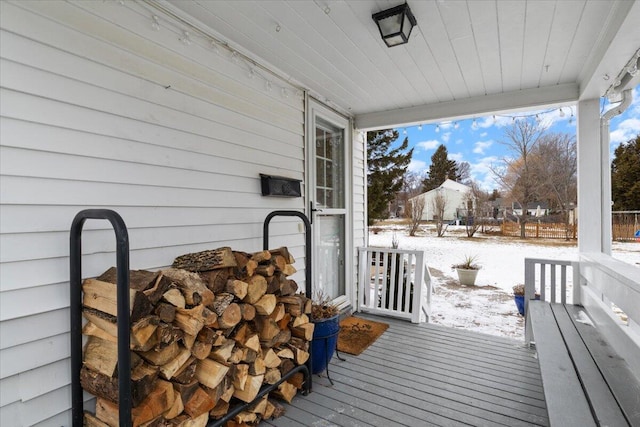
(123, 318)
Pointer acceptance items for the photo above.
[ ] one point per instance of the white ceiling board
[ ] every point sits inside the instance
(539, 20)
(485, 29)
(561, 39)
(461, 50)
(511, 24)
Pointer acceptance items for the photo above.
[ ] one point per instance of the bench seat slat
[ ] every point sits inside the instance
(623, 383)
(566, 403)
(601, 399)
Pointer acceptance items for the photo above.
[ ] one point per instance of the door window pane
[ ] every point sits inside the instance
(331, 255)
(330, 164)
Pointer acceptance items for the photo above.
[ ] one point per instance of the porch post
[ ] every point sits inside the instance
(591, 191)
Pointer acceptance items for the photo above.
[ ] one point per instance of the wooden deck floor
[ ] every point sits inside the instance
(426, 375)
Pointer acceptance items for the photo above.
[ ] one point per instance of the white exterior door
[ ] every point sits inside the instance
(329, 139)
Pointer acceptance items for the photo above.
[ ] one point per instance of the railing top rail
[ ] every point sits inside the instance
(390, 250)
(548, 261)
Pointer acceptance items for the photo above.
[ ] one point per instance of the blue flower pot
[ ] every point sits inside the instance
(325, 338)
(519, 303)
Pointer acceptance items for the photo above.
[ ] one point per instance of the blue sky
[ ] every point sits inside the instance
(477, 141)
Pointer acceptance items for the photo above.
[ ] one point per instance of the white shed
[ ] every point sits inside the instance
(455, 195)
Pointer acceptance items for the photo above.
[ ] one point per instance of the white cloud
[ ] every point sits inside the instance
(483, 134)
(428, 145)
(458, 157)
(481, 172)
(625, 131)
(480, 146)
(446, 136)
(417, 165)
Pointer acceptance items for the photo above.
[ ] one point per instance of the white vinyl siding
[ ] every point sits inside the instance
(99, 110)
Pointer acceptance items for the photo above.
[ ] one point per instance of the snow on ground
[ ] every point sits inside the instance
(487, 307)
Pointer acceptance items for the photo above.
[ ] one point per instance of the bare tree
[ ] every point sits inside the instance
(416, 206)
(439, 206)
(554, 166)
(515, 174)
(477, 207)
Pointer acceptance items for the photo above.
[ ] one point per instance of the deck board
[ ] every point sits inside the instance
(426, 375)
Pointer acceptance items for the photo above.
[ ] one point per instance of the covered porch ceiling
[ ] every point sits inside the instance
(464, 58)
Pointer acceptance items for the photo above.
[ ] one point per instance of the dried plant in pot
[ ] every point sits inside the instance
(467, 270)
(325, 316)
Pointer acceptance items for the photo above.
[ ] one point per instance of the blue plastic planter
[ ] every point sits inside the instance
(325, 338)
(520, 303)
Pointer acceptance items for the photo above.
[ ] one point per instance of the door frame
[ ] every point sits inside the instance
(314, 108)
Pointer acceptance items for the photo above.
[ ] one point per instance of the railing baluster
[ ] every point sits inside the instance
(563, 284)
(554, 283)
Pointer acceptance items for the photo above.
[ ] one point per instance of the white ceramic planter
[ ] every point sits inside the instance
(467, 277)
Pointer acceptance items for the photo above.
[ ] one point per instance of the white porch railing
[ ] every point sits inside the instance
(394, 282)
(549, 278)
(607, 288)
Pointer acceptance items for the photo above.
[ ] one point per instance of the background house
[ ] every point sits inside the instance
(534, 209)
(455, 196)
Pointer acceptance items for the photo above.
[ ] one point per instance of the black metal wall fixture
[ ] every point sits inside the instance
(123, 317)
(122, 293)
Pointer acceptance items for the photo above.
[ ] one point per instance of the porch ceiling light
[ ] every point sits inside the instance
(395, 24)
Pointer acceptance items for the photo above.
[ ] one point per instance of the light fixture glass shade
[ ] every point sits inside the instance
(395, 24)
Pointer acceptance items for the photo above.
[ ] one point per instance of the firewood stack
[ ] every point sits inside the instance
(205, 336)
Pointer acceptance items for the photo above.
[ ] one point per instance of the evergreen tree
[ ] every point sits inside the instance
(386, 169)
(440, 169)
(625, 176)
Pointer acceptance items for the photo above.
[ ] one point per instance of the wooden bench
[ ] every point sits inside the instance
(585, 382)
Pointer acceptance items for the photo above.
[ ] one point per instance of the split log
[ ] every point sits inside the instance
(210, 373)
(271, 359)
(283, 252)
(248, 311)
(300, 320)
(190, 320)
(217, 279)
(256, 289)
(186, 373)
(168, 370)
(230, 317)
(266, 270)
(220, 410)
(222, 353)
(289, 270)
(278, 312)
(199, 403)
(304, 331)
(176, 409)
(272, 376)
(101, 356)
(191, 285)
(240, 375)
(288, 287)
(143, 379)
(251, 388)
(91, 421)
(206, 260)
(165, 312)
(159, 357)
(157, 402)
(285, 392)
(274, 409)
(266, 304)
(101, 296)
(167, 334)
(174, 297)
(237, 288)
(261, 256)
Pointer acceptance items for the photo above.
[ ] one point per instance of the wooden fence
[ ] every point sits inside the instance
(621, 230)
(540, 230)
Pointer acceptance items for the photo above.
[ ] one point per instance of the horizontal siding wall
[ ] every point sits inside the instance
(99, 110)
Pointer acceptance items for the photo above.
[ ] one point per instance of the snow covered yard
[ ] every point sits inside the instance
(487, 307)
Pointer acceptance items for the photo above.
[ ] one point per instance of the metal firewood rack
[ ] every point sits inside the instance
(123, 318)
